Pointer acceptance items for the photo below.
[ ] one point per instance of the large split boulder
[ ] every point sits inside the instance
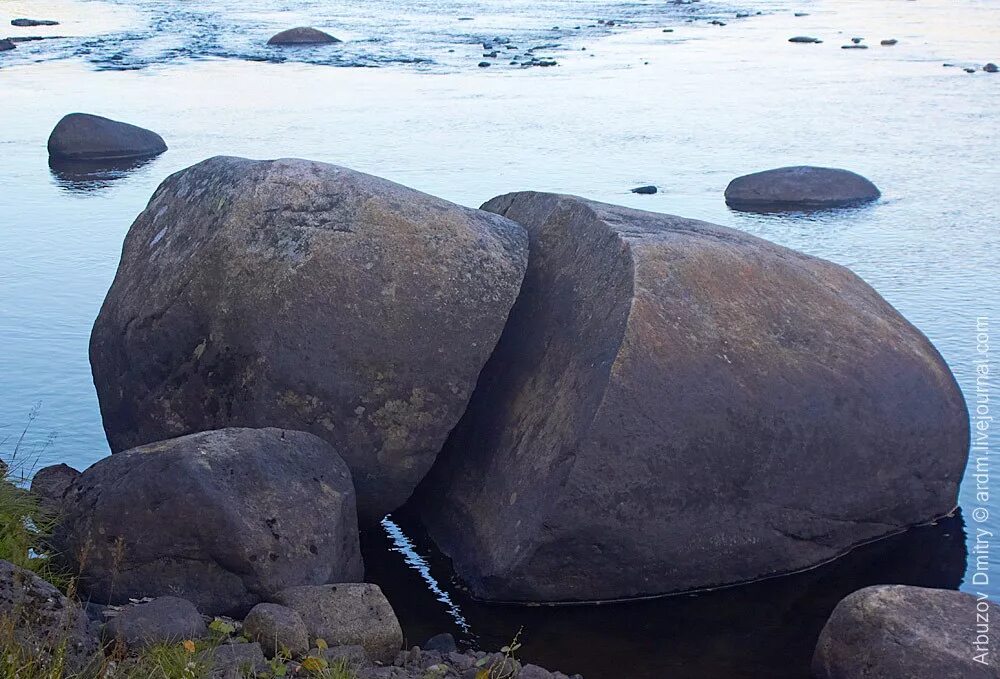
(223, 519)
(304, 295)
(894, 631)
(799, 188)
(41, 626)
(82, 136)
(676, 405)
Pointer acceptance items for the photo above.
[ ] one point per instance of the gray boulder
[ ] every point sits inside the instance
(349, 614)
(894, 631)
(6, 44)
(676, 405)
(237, 660)
(166, 620)
(49, 484)
(303, 35)
(221, 518)
(278, 630)
(309, 296)
(799, 188)
(47, 627)
(81, 136)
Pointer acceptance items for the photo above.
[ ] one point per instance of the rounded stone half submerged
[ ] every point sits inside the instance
(86, 137)
(303, 35)
(675, 405)
(799, 188)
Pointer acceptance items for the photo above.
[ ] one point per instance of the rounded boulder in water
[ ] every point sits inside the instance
(82, 136)
(675, 405)
(304, 295)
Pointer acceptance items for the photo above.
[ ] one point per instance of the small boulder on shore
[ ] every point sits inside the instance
(675, 405)
(894, 631)
(166, 620)
(799, 188)
(303, 35)
(278, 629)
(47, 627)
(348, 614)
(82, 136)
(223, 518)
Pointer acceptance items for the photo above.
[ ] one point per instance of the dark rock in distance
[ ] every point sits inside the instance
(23, 23)
(303, 35)
(805, 39)
(49, 484)
(854, 47)
(991, 68)
(676, 405)
(308, 296)
(889, 43)
(82, 136)
(166, 620)
(6, 45)
(800, 187)
(892, 631)
(484, 64)
(648, 190)
(221, 518)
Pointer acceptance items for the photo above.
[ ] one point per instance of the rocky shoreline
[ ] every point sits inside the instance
(289, 346)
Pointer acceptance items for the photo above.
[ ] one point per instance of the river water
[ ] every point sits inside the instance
(627, 104)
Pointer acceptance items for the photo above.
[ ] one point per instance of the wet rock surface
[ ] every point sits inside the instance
(303, 35)
(800, 188)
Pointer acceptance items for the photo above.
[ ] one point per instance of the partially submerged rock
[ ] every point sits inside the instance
(166, 620)
(893, 631)
(6, 44)
(82, 136)
(348, 614)
(303, 35)
(222, 518)
(24, 23)
(799, 188)
(647, 190)
(299, 294)
(47, 628)
(805, 39)
(676, 405)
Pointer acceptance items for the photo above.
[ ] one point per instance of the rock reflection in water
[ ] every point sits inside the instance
(768, 628)
(88, 176)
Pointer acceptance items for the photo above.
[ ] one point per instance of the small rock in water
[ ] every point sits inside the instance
(889, 42)
(645, 190)
(466, 19)
(668, 30)
(854, 47)
(33, 22)
(991, 68)
(802, 14)
(970, 69)
(484, 64)
(490, 55)
(805, 39)
(302, 35)
(857, 41)
(716, 22)
(742, 15)
(6, 45)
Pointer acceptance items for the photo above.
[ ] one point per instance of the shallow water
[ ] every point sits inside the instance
(686, 110)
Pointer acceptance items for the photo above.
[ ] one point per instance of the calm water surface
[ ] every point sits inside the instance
(686, 110)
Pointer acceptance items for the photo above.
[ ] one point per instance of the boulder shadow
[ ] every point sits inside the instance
(89, 176)
(764, 629)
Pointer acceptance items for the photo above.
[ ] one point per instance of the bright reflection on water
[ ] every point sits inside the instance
(686, 110)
